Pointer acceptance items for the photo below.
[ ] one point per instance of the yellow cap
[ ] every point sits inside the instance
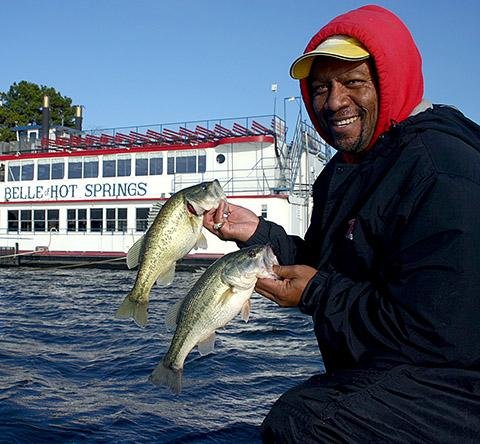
(339, 46)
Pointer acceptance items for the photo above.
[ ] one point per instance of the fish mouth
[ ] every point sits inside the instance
(219, 192)
(270, 255)
(191, 209)
(209, 197)
(268, 261)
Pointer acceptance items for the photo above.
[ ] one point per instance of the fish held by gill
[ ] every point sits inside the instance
(175, 228)
(222, 291)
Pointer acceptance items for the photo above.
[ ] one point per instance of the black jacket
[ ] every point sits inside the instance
(396, 240)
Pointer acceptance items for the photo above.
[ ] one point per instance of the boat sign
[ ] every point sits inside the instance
(75, 191)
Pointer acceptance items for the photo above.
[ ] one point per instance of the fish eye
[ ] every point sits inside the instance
(252, 253)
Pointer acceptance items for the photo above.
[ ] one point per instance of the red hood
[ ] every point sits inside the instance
(397, 61)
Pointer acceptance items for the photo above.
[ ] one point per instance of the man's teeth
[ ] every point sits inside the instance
(345, 121)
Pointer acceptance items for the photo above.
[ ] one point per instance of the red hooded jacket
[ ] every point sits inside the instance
(396, 58)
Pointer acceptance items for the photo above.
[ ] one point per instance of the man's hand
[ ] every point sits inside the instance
(287, 291)
(231, 222)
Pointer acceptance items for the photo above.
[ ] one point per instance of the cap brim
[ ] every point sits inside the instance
(300, 68)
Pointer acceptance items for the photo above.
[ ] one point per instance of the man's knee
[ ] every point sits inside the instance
(294, 418)
(282, 425)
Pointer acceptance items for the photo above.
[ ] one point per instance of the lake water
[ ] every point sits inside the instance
(71, 372)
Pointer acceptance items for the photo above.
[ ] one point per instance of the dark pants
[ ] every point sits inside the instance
(405, 404)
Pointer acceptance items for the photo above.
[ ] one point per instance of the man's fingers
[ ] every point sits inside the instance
(285, 271)
(270, 288)
(294, 271)
(220, 215)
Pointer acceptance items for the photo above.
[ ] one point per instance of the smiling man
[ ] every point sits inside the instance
(389, 269)
(344, 97)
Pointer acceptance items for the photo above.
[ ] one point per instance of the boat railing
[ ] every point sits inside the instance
(186, 132)
(260, 179)
(305, 143)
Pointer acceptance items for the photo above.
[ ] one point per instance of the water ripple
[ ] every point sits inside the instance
(70, 372)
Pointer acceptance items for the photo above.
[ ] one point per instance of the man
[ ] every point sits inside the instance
(390, 266)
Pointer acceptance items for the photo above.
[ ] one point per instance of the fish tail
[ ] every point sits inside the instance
(164, 375)
(133, 309)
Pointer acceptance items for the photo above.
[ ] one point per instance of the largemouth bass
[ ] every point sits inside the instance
(175, 229)
(221, 292)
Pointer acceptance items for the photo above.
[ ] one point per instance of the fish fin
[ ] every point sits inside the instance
(207, 345)
(171, 316)
(163, 375)
(227, 294)
(245, 313)
(136, 310)
(133, 254)
(153, 212)
(166, 278)
(201, 242)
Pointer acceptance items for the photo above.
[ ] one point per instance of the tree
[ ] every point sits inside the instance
(23, 102)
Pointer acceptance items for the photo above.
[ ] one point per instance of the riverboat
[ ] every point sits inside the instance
(68, 195)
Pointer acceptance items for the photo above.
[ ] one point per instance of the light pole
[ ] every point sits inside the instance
(274, 89)
(285, 100)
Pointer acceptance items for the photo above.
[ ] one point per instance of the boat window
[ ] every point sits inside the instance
(53, 220)
(71, 220)
(14, 171)
(142, 219)
(156, 164)
(39, 220)
(50, 169)
(36, 220)
(76, 220)
(117, 219)
(109, 166)
(43, 169)
(110, 219)
(82, 220)
(90, 167)
(13, 221)
(122, 220)
(149, 165)
(124, 165)
(141, 165)
(27, 171)
(75, 168)
(96, 219)
(20, 171)
(25, 220)
(186, 162)
(58, 169)
(171, 165)
(202, 163)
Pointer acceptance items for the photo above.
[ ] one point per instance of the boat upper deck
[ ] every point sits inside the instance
(168, 136)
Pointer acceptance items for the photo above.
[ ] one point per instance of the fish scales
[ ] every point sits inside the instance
(222, 292)
(175, 230)
(158, 254)
(201, 313)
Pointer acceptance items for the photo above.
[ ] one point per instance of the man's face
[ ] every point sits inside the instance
(345, 101)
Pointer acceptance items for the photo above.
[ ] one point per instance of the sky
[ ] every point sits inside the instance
(146, 62)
